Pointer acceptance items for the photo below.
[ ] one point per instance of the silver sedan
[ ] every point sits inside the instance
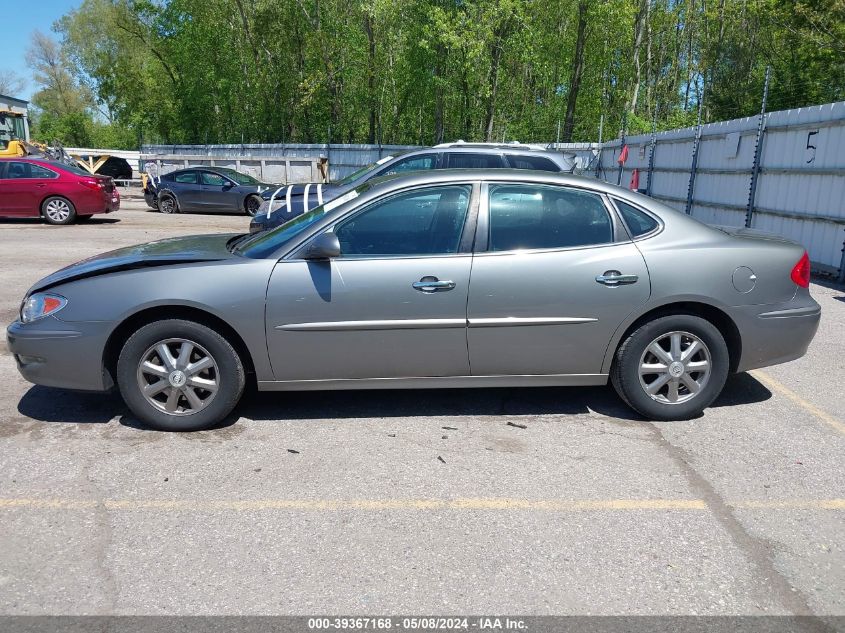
(430, 280)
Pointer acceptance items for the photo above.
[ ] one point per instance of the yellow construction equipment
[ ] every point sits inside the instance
(13, 134)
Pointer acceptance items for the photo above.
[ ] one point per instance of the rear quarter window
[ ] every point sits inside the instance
(532, 162)
(638, 222)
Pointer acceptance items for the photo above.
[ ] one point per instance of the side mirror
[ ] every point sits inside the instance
(324, 246)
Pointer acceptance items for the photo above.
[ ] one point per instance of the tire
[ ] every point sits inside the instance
(167, 204)
(251, 205)
(169, 408)
(693, 379)
(58, 210)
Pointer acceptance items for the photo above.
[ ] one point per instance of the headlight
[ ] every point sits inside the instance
(41, 304)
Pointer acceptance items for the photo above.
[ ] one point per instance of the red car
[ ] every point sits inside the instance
(58, 192)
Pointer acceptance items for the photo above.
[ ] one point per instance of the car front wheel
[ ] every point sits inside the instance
(671, 368)
(178, 375)
(252, 204)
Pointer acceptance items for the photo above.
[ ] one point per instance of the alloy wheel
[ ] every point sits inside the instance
(178, 376)
(167, 205)
(675, 367)
(57, 210)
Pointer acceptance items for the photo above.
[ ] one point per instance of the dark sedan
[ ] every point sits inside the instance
(205, 190)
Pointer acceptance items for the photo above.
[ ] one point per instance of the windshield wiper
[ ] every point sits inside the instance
(233, 242)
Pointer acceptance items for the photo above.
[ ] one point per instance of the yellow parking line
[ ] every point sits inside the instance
(373, 505)
(785, 391)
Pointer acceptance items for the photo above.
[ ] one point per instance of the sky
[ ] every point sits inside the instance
(20, 19)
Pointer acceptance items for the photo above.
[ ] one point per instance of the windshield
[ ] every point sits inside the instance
(355, 175)
(238, 177)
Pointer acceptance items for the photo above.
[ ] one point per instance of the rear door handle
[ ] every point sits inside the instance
(615, 278)
(433, 284)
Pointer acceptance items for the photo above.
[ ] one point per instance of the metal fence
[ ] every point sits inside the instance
(342, 159)
(266, 160)
(795, 156)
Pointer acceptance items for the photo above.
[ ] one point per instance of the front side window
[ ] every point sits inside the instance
(186, 177)
(212, 179)
(464, 160)
(537, 216)
(414, 163)
(420, 222)
(238, 177)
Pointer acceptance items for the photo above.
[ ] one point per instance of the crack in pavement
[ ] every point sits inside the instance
(755, 549)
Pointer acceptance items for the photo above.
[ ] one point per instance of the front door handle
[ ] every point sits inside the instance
(430, 284)
(615, 278)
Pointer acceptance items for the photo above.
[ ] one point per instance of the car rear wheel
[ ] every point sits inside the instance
(167, 204)
(177, 375)
(671, 368)
(252, 204)
(57, 210)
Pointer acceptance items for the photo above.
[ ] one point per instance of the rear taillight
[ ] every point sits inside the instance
(91, 183)
(801, 271)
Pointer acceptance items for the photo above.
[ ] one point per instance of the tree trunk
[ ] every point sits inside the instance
(371, 76)
(439, 69)
(640, 26)
(577, 72)
(501, 32)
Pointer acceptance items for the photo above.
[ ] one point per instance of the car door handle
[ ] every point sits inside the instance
(432, 284)
(615, 278)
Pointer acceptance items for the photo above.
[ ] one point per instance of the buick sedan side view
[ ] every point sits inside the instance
(475, 278)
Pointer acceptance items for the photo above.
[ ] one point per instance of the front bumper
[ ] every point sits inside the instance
(55, 353)
(776, 334)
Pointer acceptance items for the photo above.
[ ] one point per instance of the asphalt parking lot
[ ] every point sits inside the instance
(523, 501)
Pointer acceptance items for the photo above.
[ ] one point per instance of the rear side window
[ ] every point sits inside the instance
(37, 171)
(532, 162)
(462, 160)
(536, 216)
(638, 223)
(187, 177)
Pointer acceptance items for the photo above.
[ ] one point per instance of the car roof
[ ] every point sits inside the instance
(483, 148)
(513, 145)
(33, 159)
(443, 176)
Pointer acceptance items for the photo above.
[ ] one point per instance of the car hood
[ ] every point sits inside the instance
(327, 190)
(177, 250)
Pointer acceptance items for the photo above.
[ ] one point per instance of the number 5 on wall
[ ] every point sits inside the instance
(811, 149)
